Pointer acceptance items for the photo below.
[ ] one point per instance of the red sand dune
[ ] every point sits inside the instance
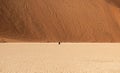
(60, 20)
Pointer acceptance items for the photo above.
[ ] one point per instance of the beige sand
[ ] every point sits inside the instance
(60, 20)
(66, 58)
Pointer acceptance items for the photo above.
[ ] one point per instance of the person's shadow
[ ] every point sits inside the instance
(114, 2)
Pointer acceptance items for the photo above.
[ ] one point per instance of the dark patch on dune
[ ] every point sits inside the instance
(14, 21)
(115, 2)
(2, 41)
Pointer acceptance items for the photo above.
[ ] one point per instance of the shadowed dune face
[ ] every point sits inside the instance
(12, 22)
(115, 2)
(61, 20)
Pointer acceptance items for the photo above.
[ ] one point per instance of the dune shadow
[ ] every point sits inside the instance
(114, 2)
(3, 41)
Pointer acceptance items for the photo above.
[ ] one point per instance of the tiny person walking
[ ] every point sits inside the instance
(59, 43)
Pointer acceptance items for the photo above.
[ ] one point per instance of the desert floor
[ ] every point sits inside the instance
(64, 58)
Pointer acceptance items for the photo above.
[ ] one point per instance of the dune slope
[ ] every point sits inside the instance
(61, 20)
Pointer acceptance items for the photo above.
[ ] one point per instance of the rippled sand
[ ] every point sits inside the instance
(60, 20)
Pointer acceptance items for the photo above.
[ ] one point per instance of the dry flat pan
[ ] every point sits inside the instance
(60, 20)
(67, 58)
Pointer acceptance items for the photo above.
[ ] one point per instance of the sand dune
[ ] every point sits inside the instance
(61, 20)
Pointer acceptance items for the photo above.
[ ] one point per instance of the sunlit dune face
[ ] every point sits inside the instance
(58, 20)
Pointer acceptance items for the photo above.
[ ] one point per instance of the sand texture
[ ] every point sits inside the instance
(60, 20)
(52, 58)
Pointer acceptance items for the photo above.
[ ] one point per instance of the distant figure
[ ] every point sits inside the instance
(59, 43)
